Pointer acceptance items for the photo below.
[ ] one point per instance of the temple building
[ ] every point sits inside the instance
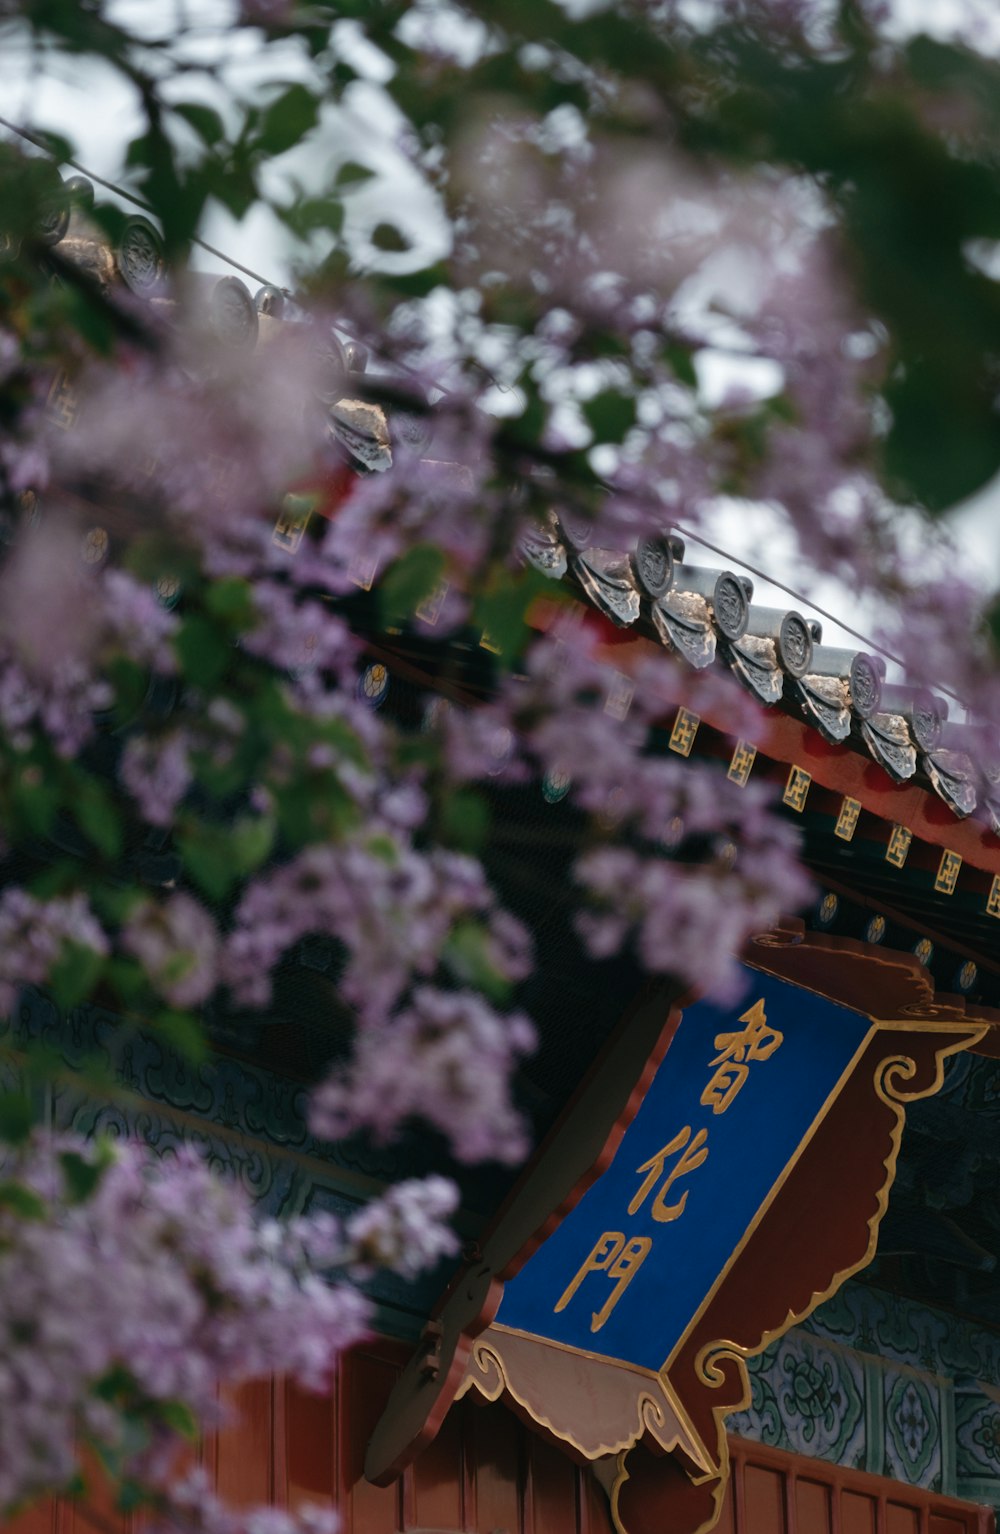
(749, 1278)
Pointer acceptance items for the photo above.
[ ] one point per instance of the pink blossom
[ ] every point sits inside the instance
(35, 935)
(191, 1504)
(157, 772)
(390, 905)
(177, 944)
(405, 1229)
(447, 1058)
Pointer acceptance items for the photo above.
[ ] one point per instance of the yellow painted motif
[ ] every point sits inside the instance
(692, 1155)
(63, 404)
(620, 1259)
(742, 763)
(947, 874)
(796, 789)
(684, 731)
(362, 571)
(899, 846)
(847, 820)
(993, 899)
(429, 610)
(757, 1041)
(292, 521)
(620, 695)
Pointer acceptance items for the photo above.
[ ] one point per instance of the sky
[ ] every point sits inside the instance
(96, 110)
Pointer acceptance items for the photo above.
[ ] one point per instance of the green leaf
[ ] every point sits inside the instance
(205, 121)
(610, 415)
(502, 610)
(75, 975)
(288, 119)
(60, 878)
(527, 428)
(202, 652)
(252, 840)
(82, 1176)
(465, 819)
(231, 600)
(17, 1117)
(127, 977)
(351, 173)
(408, 582)
(207, 854)
(116, 1384)
(185, 1033)
(36, 798)
(179, 1418)
(388, 238)
(131, 1495)
(682, 362)
(131, 684)
(467, 955)
(307, 214)
(383, 847)
(98, 818)
(42, 1063)
(22, 1201)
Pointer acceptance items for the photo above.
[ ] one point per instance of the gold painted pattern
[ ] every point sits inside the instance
(63, 404)
(993, 899)
(684, 731)
(899, 846)
(362, 571)
(797, 789)
(847, 820)
(947, 874)
(291, 522)
(429, 608)
(620, 695)
(657, 1410)
(742, 762)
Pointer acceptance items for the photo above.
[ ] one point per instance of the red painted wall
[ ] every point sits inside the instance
(774, 1493)
(486, 1474)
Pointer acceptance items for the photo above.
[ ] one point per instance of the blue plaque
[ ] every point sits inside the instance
(732, 1106)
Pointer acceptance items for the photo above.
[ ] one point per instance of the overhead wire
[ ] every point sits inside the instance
(40, 143)
(789, 591)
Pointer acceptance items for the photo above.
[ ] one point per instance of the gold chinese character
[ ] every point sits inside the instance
(847, 820)
(684, 731)
(796, 789)
(899, 846)
(947, 874)
(619, 1259)
(742, 763)
(757, 1041)
(692, 1156)
(993, 901)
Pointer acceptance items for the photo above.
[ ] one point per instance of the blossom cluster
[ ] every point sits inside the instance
(621, 333)
(393, 907)
(37, 935)
(132, 1287)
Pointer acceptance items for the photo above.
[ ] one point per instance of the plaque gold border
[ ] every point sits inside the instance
(704, 1463)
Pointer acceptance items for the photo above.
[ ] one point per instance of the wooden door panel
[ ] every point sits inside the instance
(858, 1513)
